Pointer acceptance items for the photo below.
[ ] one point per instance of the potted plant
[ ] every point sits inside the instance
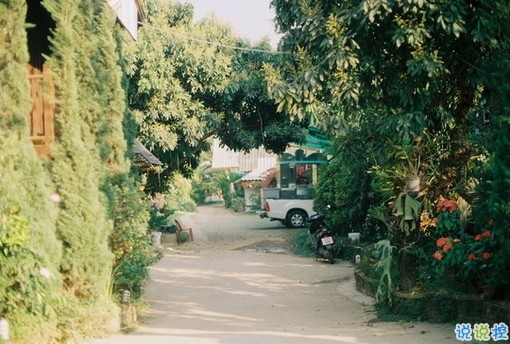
(405, 159)
(410, 165)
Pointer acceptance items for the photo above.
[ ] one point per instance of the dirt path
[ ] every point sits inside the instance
(238, 283)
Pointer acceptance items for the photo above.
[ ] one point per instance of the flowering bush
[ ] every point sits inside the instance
(448, 219)
(466, 255)
(270, 181)
(480, 249)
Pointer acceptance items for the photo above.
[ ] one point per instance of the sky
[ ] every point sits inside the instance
(251, 19)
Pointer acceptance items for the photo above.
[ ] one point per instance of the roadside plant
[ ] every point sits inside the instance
(448, 217)
(26, 279)
(158, 210)
(481, 249)
(225, 182)
(385, 266)
(271, 179)
(460, 256)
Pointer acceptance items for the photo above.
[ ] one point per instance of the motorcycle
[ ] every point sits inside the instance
(321, 238)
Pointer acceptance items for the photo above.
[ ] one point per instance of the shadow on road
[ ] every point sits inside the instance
(230, 287)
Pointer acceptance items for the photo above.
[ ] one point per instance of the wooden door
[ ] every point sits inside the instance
(41, 118)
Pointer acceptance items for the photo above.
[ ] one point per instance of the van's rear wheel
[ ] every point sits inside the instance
(296, 218)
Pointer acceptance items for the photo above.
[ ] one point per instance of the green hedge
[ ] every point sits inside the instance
(29, 250)
(62, 263)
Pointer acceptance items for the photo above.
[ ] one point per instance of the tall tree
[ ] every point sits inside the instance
(245, 116)
(190, 82)
(406, 78)
(87, 157)
(169, 69)
(402, 67)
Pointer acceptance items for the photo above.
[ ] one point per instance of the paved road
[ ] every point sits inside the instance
(236, 284)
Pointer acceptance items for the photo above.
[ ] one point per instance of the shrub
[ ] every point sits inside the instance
(301, 243)
(178, 194)
(27, 282)
(130, 239)
(343, 185)
(459, 257)
(224, 182)
(238, 204)
(202, 183)
(159, 211)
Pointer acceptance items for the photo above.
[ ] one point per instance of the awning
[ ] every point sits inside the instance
(316, 140)
(257, 175)
(144, 159)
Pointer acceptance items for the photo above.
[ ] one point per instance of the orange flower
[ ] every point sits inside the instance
(438, 255)
(472, 256)
(441, 242)
(477, 237)
(490, 222)
(486, 234)
(440, 205)
(451, 206)
(447, 246)
(446, 205)
(486, 255)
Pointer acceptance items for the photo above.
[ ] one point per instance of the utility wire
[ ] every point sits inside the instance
(217, 43)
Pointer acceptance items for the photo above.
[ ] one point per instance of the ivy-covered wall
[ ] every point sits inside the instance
(29, 249)
(68, 221)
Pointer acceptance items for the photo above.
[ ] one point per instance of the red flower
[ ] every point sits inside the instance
(441, 242)
(490, 222)
(477, 237)
(486, 234)
(447, 246)
(472, 256)
(486, 255)
(438, 255)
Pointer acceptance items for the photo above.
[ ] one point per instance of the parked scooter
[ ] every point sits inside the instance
(321, 238)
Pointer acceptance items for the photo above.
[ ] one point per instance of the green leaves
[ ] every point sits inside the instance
(397, 55)
(23, 288)
(187, 85)
(385, 288)
(407, 210)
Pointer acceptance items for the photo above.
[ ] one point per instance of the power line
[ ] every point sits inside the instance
(217, 43)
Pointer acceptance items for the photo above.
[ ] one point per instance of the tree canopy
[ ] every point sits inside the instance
(375, 68)
(191, 81)
(409, 62)
(407, 88)
(246, 118)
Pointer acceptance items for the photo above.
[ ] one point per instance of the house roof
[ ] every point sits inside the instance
(143, 157)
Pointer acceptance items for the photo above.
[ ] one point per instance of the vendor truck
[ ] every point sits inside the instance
(291, 202)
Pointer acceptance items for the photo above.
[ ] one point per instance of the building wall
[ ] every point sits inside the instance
(224, 157)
